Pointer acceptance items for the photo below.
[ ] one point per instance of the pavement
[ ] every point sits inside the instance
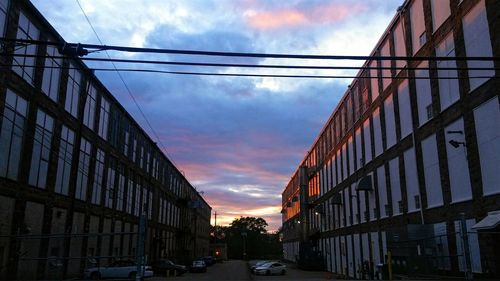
(232, 270)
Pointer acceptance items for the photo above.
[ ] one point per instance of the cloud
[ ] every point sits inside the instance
(237, 139)
(300, 16)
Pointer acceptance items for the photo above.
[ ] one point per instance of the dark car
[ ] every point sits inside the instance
(164, 266)
(198, 266)
(209, 260)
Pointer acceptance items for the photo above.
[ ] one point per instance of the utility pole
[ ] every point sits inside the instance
(215, 228)
(465, 246)
(141, 239)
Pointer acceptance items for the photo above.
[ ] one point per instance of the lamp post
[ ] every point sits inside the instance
(244, 235)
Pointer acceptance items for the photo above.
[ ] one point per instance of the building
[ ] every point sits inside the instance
(407, 150)
(76, 170)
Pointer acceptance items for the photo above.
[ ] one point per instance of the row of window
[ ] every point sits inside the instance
(112, 125)
(359, 146)
(116, 195)
(389, 191)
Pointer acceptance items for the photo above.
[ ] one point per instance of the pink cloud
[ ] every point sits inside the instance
(275, 19)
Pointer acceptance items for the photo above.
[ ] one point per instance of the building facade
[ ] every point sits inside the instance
(76, 170)
(408, 161)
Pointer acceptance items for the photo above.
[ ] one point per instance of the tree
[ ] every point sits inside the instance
(259, 243)
(250, 224)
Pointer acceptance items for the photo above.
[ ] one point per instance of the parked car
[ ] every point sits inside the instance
(162, 266)
(257, 264)
(271, 268)
(209, 260)
(117, 269)
(198, 266)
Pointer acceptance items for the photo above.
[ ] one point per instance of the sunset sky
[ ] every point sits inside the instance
(236, 139)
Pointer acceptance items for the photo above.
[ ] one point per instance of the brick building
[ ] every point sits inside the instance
(403, 156)
(76, 170)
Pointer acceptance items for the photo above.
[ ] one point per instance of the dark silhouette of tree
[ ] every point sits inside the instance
(259, 243)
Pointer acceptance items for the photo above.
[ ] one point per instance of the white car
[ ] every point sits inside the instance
(257, 264)
(117, 269)
(271, 268)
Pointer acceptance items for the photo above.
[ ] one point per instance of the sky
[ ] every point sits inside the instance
(238, 140)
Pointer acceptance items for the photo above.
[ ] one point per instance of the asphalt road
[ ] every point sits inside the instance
(233, 270)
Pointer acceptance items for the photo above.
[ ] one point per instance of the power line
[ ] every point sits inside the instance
(270, 75)
(184, 63)
(126, 86)
(103, 47)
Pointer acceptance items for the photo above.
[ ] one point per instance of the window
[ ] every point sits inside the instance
(487, 119)
(51, 73)
(73, 90)
(440, 12)
(477, 44)
(41, 149)
(399, 45)
(98, 177)
(430, 113)
(64, 161)
(382, 192)
(130, 195)
(4, 6)
(374, 79)
(23, 65)
(12, 134)
(386, 65)
(344, 162)
(448, 88)
(395, 186)
(350, 150)
(368, 141)
(432, 175)
(126, 136)
(110, 185)
(405, 120)
(148, 155)
(458, 167)
(377, 133)
(411, 178)
(104, 118)
(424, 97)
(137, 200)
(120, 192)
(417, 25)
(390, 122)
(89, 111)
(83, 170)
(359, 150)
